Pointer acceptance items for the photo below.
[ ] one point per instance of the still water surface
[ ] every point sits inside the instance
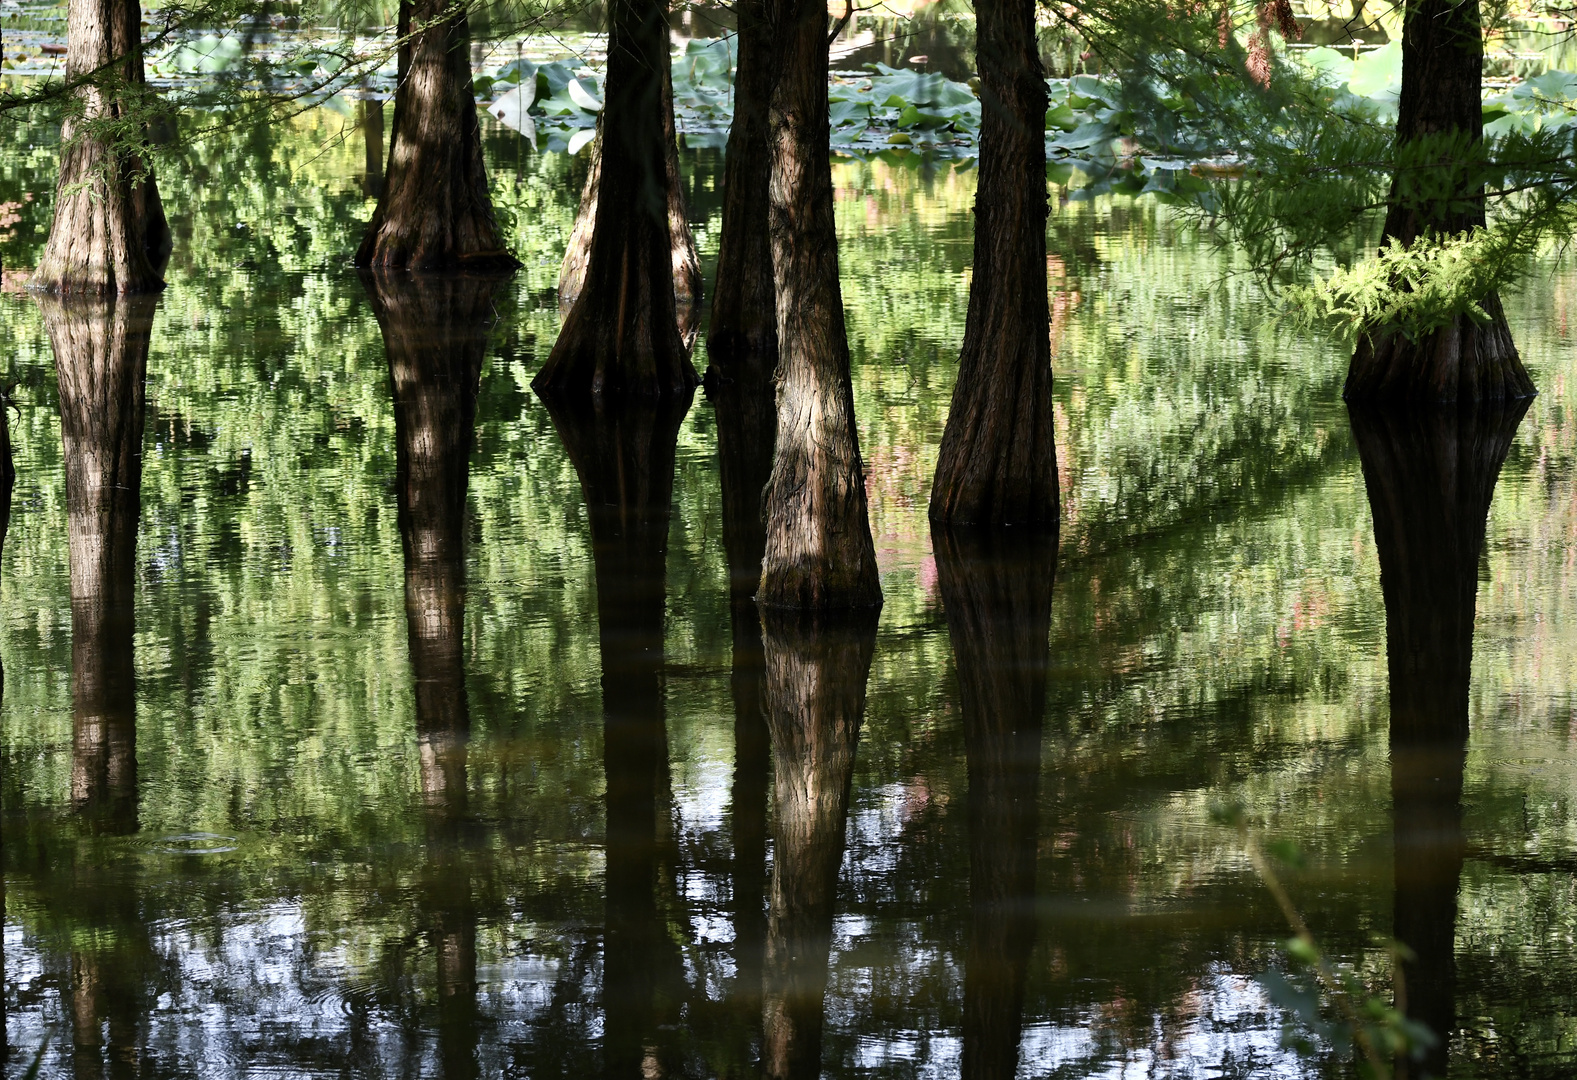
(388, 724)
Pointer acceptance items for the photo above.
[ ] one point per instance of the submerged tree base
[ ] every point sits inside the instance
(1464, 361)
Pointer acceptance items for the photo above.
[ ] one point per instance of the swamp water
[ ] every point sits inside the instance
(371, 750)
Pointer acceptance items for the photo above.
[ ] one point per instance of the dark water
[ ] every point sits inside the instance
(378, 721)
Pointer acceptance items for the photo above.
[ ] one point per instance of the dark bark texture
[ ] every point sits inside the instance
(623, 451)
(686, 262)
(372, 140)
(621, 335)
(101, 356)
(1442, 77)
(815, 699)
(109, 236)
(1430, 475)
(742, 338)
(434, 211)
(998, 459)
(819, 554)
(996, 589)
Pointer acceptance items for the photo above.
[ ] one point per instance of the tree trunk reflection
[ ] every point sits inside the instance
(435, 333)
(101, 356)
(623, 451)
(1430, 477)
(746, 420)
(815, 701)
(996, 588)
(7, 483)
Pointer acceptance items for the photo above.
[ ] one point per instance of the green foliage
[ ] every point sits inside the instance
(1414, 289)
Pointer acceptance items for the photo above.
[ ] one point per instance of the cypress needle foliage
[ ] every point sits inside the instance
(1302, 166)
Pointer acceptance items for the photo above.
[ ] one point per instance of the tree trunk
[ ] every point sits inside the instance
(623, 451)
(101, 356)
(742, 339)
(686, 263)
(998, 460)
(815, 697)
(819, 553)
(1430, 476)
(434, 211)
(621, 335)
(996, 589)
(109, 236)
(372, 142)
(1442, 75)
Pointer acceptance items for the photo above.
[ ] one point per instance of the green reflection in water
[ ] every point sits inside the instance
(1217, 632)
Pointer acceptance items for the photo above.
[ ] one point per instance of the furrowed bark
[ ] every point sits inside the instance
(1430, 476)
(621, 335)
(815, 695)
(996, 590)
(1442, 78)
(686, 262)
(434, 211)
(742, 338)
(109, 236)
(819, 554)
(998, 459)
(101, 356)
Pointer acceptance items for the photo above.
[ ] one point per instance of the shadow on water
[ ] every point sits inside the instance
(623, 452)
(101, 358)
(996, 590)
(435, 334)
(1430, 478)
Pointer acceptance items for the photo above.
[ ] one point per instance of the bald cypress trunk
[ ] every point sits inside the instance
(1442, 78)
(742, 339)
(998, 459)
(109, 236)
(815, 698)
(686, 262)
(621, 335)
(434, 211)
(996, 589)
(819, 554)
(1430, 476)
